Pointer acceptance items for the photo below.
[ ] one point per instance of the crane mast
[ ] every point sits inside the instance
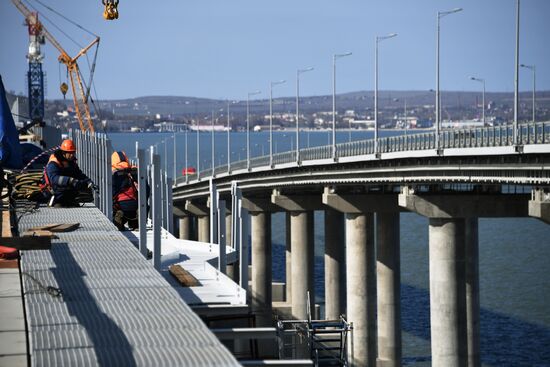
(37, 34)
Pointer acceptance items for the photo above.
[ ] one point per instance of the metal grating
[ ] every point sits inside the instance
(115, 309)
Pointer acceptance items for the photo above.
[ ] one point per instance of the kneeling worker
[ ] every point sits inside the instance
(63, 177)
(125, 191)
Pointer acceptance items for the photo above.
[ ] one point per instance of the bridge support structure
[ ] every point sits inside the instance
(202, 212)
(301, 208)
(381, 342)
(454, 275)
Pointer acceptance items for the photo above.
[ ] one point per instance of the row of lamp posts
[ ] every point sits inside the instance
(378, 39)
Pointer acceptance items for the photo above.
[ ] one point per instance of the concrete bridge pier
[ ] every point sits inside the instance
(335, 265)
(288, 259)
(361, 288)
(261, 267)
(454, 276)
(185, 228)
(472, 291)
(388, 277)
(301, 209)
(202, 212)
(383, 291)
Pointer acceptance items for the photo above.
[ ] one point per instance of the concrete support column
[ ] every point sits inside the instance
(335, 265)
(472, 291)
(228, 227)
(447, 292)
(204, 228)
(261, 267)
(301, 224)
(185, 228)
(288, 258)
(388, 276)
(361, 288)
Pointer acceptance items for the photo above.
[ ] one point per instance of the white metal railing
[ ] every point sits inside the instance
(486, 137)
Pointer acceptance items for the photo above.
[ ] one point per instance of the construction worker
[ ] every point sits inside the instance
(125, 192)
(63, 177)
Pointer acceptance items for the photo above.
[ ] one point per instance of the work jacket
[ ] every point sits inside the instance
(60, 175)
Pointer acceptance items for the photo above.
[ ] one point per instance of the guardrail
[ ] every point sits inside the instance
(484, 137)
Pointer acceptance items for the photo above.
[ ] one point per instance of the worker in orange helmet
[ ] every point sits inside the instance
(63, 177)
(125, 191)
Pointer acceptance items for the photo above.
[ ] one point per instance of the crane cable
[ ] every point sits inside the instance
(92, 67)
(67, 19)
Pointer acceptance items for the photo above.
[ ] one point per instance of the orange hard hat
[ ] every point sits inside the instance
(68, 146)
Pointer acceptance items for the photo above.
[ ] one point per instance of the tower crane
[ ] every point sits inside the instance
(39, 32)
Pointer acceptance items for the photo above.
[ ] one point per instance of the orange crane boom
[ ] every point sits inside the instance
(81, 106)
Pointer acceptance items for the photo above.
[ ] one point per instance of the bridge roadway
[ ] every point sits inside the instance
(114, 309)
(473, 174)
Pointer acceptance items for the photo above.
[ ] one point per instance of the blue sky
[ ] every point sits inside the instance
(224, 49)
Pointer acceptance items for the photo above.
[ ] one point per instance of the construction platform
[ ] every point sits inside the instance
(94, 300)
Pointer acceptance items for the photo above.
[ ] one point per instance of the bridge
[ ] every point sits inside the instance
(453, 179)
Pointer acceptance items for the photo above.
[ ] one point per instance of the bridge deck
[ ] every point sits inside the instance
(200, 260)
(115, 309)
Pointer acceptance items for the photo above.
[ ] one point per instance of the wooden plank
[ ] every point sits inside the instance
(40, 233)
(66, 227)
(9, 264)
(56, 227)
(183, 276)
(27, 243)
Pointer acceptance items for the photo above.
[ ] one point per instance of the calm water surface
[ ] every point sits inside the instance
(514, 256)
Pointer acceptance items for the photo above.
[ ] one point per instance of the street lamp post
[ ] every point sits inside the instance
(440, 14)
(248, 126)
(213, 149)
(516, 79)
(175, 156)
(271, 119)
(482, 81)
(186, 153)
(534, 70)
(377, 41)
(334, 58)
(228, 141)
(298, 72)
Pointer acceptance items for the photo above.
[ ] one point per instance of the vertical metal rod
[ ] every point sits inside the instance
(437, 107)
(108, 190)
(222, 238)
(175, 157)
(271, 124)
(198, 150)
(376, 148)
(334, 107)
(156, 207)
(142, 200)
(186, 154)
(248, 131)
(212, 161)
(516, 78)
(228, 141)
(169, 206)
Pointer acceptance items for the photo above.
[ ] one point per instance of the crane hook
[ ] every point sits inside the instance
(64, 88)
(111, 9)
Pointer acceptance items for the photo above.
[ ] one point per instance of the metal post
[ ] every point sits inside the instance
(222, 237)
(440, 14)
(228, 141)
(175, 156)
(334, 58)
(142, 200)
(271, 119)
(156, 207)
(516, 79)
(198, 151)
(186, 153)
(298, 72)
(213, 212)
(108, 190)
(212, 163)
(377, 41)
(169, 205)
(163, 203)
(248, 126)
